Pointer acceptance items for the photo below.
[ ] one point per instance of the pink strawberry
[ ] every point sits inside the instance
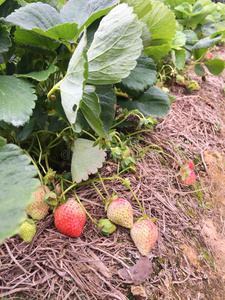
(186, 176)
(38, 209)
(120, 212)
(190, 164)
(70, 218)
(209, 56)
(144, 233)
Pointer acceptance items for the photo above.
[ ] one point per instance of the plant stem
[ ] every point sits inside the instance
(97, 190)
(55, 87)
(78, 200)
(132, 192)
(103, 185)
(34, 163)
(67, 190)
(86, 132)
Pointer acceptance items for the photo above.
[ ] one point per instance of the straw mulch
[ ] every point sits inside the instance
(93, 266)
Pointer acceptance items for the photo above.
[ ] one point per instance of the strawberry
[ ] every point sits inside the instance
(70, 218)
(120, 212)
(186, 176)
(38, 209)
(144, 233)
(209, 56)
(27, 230)
(190, 164)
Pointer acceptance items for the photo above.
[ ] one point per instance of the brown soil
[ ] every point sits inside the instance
(188, 259)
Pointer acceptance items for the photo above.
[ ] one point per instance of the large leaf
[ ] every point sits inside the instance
(140, 78)
(16, 100)
(154, 102)
(162, 25)
(35, 15)
(84, 12)
(43, 19)
(215, 66)
(115, 47)
(39, 76)
(17, 184)
(73, 83)
(141, 7)
(107, 98)
(4, 38)
(86, 159)
(91, 110)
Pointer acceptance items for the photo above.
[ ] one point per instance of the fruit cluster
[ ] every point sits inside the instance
(70, 217)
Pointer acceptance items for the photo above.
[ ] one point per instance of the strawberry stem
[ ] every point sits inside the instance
(103, 185)
(67, 190)
(78, 200)
(132, 192)
(97, 190)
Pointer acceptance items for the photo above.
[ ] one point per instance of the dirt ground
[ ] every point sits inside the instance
(188, 260)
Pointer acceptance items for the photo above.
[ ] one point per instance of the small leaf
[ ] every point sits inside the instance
(17, 184)
(140, 78)
(86, 159)
(179, 40)
(39, 76)
(215, 66)
(16, 100)
(179, 58)
(23, 36)
(61, 32)
(115, 47)
(206, 43)
(154, 102)
(199, 70)
(91, 110)
(72, 85)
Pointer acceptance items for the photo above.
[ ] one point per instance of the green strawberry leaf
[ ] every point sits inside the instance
(140, 78)
(215, 66)
(4, 38)
(39, 76)
(86, 159)
(17, 184)
(154, 102)
(110, 59)
(72, 85)
(16, 100)
(91, 110)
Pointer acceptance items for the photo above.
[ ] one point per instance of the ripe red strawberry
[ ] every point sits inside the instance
(38, 209)
(144, 233)
(27, 230)
(70, 218)
(186, 176)
(120, 212)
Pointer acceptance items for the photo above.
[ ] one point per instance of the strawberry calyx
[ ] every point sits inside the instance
(145, 217)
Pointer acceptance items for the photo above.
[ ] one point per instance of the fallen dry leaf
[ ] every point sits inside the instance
(138, 272)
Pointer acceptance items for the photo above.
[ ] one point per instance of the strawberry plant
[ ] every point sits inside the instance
(65, 69)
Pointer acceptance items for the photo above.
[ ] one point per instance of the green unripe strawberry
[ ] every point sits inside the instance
(28, 230)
